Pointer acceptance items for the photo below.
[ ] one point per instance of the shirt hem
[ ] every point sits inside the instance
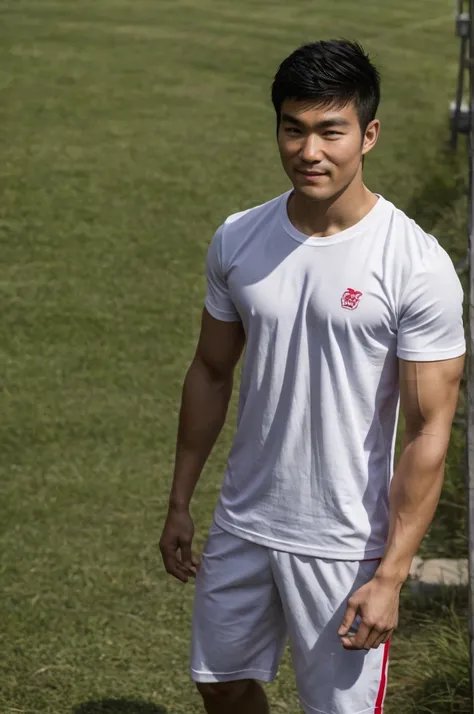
(222, 315)
(296, 548)
(416, 356)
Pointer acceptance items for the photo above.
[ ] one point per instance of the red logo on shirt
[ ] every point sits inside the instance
(350, 299)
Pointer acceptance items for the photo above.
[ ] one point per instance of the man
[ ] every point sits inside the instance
(346, 308)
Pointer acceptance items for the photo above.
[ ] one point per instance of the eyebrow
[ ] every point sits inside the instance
(325, 124)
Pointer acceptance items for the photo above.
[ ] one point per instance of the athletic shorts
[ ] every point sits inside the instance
(250, 599)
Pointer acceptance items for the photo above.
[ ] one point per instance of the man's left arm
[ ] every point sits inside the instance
(428, 398)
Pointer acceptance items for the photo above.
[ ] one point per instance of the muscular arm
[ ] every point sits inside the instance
(205, 400)
(428, 397)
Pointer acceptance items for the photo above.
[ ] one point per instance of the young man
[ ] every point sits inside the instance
(345, 306)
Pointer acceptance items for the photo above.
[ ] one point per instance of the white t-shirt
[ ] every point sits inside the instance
(325, 321)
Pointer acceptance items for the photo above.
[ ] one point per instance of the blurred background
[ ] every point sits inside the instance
(128, 131)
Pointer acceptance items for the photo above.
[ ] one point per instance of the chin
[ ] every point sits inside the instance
(316, 193)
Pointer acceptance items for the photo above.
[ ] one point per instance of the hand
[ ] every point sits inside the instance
(177, 536)
(378, 603)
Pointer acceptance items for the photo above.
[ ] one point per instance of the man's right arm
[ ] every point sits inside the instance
(205, 400)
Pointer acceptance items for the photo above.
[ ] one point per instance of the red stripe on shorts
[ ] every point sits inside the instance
(383, 681)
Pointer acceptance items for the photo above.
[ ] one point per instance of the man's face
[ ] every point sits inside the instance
(321, 147)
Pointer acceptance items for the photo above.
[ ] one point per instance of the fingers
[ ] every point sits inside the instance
(187, 558)
(374, 635)
(175, 568)
(348, 619)
(366, 639)
(175, 545)
(381, 639)
(179, 560)
(196, 562)
(358, 641)
(173, 564)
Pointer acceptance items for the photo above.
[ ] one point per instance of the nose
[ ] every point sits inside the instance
(311, 151)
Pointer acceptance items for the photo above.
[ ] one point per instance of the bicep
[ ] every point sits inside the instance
(428, 395)
(220, 345)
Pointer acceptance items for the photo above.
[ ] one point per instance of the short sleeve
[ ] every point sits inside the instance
(218, 301)
(431, 317)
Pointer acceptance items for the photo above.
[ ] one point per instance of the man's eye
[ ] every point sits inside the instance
(292, 130)
(333, 133)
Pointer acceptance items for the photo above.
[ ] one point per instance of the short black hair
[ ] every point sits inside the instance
(330, 72)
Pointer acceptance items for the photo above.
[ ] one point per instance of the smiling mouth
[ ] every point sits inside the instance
(313, 174)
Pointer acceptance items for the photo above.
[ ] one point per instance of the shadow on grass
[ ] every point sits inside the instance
(118, 706)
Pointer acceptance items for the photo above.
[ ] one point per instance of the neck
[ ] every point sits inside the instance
(319, 219)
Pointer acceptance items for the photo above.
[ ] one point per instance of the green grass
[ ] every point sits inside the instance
(128, 131)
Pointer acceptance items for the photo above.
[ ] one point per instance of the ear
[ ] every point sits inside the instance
(370, 137)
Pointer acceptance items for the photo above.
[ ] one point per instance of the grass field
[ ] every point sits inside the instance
(128, 131)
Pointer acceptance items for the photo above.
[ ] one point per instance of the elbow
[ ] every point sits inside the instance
(428, 447)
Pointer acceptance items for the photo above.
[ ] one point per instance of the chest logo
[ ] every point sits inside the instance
(350, 299)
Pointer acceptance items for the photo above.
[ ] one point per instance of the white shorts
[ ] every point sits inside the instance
(249, 599)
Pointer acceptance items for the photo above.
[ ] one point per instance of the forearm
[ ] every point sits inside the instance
(204, 405)
(414, 495)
